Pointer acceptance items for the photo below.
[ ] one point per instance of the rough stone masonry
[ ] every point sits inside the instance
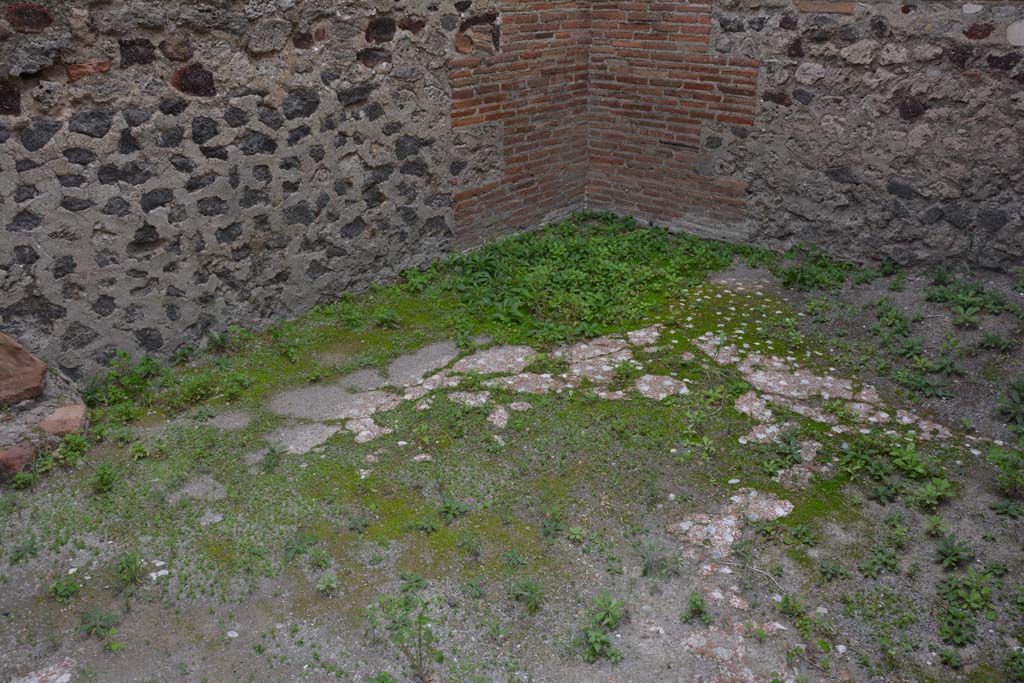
(169, 168)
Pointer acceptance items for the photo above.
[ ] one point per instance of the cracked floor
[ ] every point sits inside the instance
(764, 512)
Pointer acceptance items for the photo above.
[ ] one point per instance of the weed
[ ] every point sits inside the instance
(528, 592)
(299, 544)
(697, 610)
(595, 639)
(1014, 665)
(1012, 405)
(24, 480)
(951, 658)
(426, 524)
(319, 558)
(102, 625)
(953, 552)
(129, 569)
(657, 562)
(966, 316)
(358, 524)
(64, 589)
(830, 571)
(576, 534)
(932, 493)
(993, 342)
(474, 588)
(328, 582)
(934, 525)
(451, 509)
(470, 544)
(72, 449)
(24, 550)
(103, 479)
(412, 582)
(1009, 464)
(814, 270)
(407, 623)
(882, 559)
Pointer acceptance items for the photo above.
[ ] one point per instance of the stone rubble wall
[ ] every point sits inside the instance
(885, 129)
(168, 168)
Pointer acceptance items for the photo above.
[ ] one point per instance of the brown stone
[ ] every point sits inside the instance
(76, 71)
(826, 7)
(16, 458)
(979, 31)
(22, 375)
(194, 79)
(177, 48)
(65, 420)
(26, 17)
(463, 44)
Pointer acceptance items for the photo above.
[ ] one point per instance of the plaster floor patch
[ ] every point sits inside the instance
(301, 438)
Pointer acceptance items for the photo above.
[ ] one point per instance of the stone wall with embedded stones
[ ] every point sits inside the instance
(167, 168)
(885, 129)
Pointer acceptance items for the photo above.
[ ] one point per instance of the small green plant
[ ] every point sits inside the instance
(1009, 464)
(102, 625)
(72, 449)
(388, 319)
(103, 479)
(358, 524)
(697, 610)
(576, 534)
(951, 658)
(406, 621)
(933, 492)
(595, 639)
(319, 558)
(64, 589)
(934, 525)
(426, 524)
(328, 582)
(528, 592)
(882, 559)
(830, 571)
(993, 342)
(1012, 405)
(451, 509)
(299, 544)
(129, 569)
(24, 550)
(470, 544)
(24, 480)
(412, 582)
(552, 525)
(966, 316)
(1014, 665)
(953, 552)
(657, 562)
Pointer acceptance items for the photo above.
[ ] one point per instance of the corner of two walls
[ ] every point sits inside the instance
(875, 129)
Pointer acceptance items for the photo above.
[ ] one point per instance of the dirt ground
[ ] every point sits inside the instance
(739, 490)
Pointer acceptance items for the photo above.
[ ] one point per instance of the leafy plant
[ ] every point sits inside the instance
(697, 610)
(299, 544)
(328, 582)
(24, 550)
(1009, 464)
(102, 625)
(129, 569)
(1012, 405)
(64, 588)
(528, 592)
(595, 638)
(407, 623)
(451, 509)
(953, 552)
(103, 479)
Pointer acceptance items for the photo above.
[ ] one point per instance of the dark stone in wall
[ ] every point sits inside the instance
(300, 103)
(38, 133)
(10, 98)
(381, 30)
(135, 51)
(194, 79)
(204, 129)
(95, 123)
(26, 17)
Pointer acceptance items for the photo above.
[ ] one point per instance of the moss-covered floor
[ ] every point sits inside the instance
(595, 453)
